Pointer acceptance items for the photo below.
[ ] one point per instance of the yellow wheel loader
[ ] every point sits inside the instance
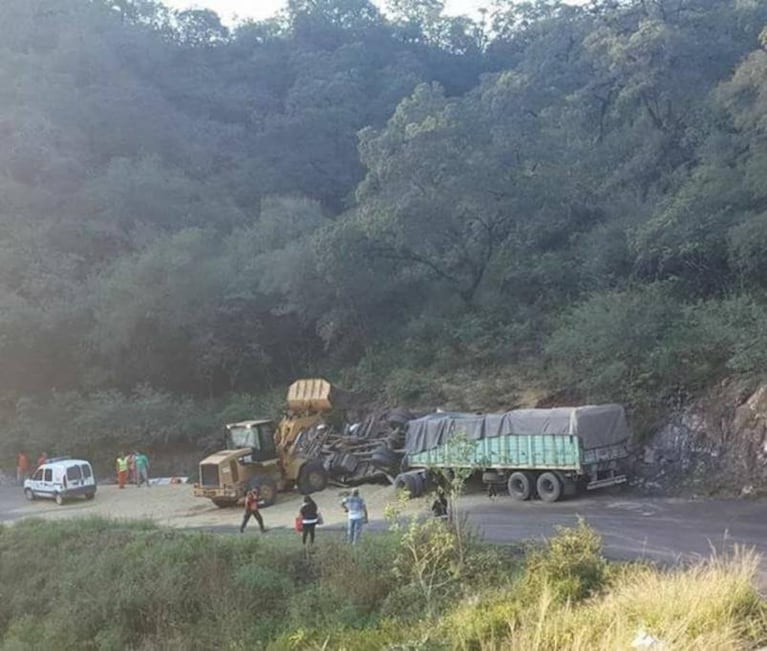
(272, 458)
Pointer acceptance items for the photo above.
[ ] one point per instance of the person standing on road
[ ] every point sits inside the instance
(251, 509)
(132, 476)
(357, 512)
(142, 468)
(43, 458)
(310, 517)
(439, 505)
(22, 467)
(122, 470)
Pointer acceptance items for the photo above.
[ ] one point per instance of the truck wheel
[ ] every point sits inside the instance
(549, 487)
(312, 478)
(59, 499)
(416, 483)
(401, 483)
(520, 486)
(267, 489)
(222, 504)
(29, 494)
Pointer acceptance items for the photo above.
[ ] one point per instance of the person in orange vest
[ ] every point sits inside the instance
(22, 467)
(251, 509)
(122, 470)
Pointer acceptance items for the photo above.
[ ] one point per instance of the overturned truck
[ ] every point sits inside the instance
(548, 453)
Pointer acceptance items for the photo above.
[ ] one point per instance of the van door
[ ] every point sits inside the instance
(87, 475)
(36, 482)
(46, 483)
(74, 478)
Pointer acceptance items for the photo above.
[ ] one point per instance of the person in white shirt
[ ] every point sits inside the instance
(357, 512)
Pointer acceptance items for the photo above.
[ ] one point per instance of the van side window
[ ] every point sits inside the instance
(48, 475)
(86, 471)
(38, 476)
(74, 472)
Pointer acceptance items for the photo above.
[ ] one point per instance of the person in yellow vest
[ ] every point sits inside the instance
(122, 470)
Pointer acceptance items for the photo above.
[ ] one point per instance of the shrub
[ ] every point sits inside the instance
(570, 566)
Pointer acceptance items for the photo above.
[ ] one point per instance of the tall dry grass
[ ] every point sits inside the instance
(709, 607)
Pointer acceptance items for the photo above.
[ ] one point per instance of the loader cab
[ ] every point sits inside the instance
(258, 435)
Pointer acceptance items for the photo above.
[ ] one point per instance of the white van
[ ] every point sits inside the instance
(60, 479)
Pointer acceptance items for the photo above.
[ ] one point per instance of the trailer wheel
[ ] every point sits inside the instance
(549, 487)
(520, 486)
(267, 489)
(419, 483)
(401, 483)
(312, 478)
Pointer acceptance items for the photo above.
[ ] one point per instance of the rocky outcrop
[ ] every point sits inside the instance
(715, 445)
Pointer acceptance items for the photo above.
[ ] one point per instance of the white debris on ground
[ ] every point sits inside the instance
(644, 640)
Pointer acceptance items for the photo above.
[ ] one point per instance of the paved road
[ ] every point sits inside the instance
(664, 530)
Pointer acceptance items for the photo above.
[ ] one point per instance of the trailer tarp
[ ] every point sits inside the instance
(596, 425)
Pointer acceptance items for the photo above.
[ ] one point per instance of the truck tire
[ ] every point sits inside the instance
(549, 487)
(267, 489)
(418, 484)
(312, 478)
(401, 483)
(520, 486)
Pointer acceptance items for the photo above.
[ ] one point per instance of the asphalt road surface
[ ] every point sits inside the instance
(662, 530)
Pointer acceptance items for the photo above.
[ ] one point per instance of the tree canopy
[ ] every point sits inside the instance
(189, 212)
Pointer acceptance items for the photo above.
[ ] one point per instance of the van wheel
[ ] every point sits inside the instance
(29, 494)
(90, 496)
(59, 499)
(520, 486)
(549, 487)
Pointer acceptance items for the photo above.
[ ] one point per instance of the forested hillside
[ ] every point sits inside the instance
(567, 198)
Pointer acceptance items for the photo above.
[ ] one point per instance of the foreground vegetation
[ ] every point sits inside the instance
(568, 198)
(95, 584)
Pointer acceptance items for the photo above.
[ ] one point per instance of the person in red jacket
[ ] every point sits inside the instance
(22, 467)
(251, 509)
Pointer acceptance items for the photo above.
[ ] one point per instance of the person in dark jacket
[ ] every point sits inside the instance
(251, 509)
(439, 506)
(310, 516)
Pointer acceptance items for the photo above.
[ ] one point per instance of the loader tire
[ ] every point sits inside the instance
(312, 478)
(224, 503)
(267, 489)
